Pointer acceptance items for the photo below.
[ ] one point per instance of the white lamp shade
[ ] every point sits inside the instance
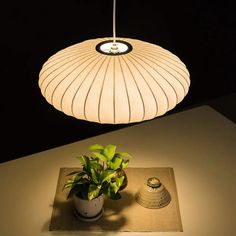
(136, 86)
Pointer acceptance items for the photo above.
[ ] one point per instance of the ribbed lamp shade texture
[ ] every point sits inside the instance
(140, 85)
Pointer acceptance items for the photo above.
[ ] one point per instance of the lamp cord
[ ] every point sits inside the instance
(114, 21)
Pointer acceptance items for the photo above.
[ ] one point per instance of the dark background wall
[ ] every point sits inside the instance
(201, 33)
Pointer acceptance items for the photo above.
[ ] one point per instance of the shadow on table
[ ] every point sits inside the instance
(113, 219)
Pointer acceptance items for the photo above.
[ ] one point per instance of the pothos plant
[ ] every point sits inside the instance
(101, 173)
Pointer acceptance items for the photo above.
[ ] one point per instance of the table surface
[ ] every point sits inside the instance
(200, 144)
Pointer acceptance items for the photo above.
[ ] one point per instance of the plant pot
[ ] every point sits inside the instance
(89, 210)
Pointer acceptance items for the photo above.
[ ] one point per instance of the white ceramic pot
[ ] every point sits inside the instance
(89, 210)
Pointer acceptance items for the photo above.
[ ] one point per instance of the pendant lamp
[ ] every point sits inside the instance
(114, 80)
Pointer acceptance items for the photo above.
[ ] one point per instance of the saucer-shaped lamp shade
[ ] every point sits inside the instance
(141, 82)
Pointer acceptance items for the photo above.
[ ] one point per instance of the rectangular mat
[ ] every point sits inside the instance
(124, 214)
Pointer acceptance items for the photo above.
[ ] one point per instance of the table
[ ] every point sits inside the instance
(200, 144)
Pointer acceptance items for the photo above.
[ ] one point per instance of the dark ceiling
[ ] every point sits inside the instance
(201, 33)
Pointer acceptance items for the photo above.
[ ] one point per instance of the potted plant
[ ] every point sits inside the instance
(99, 177)
(113, 160)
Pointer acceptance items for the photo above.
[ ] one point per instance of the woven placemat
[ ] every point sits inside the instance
(124, 214)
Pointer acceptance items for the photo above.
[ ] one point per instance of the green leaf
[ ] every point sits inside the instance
(84, 161)
(109, 151)
(77, 177)
(109, 191)
(100, 156)
(74, 191)
(124, 154)
(119, 181)
(95, 176)
(80, 175)
(73, 183)
(114, 187)
(107, 175)
(81, 181)
(67, 185)
(110, 165)
(73, 173)
(70, 181)
(124, 164)
(93, 191)
(94, 164)
(115, 164)
(96, 147)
